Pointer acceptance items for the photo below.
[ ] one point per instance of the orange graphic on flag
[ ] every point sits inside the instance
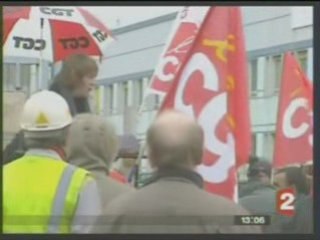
(221, 47)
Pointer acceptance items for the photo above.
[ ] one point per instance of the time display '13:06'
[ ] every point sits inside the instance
(252, 220)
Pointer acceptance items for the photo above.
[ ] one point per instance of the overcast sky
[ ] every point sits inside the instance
(128, 15)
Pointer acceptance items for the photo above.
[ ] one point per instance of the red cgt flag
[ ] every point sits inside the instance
(293, 144)
(212, 87)
(184, 32)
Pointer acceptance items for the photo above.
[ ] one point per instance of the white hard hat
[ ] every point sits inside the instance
(45, 111)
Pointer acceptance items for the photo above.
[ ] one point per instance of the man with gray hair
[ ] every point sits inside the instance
(174, 200)
(41, 192)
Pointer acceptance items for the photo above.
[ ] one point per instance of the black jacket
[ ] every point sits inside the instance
(260, 199)
(172, 202)
(302, 221)
(76, 105)
(16, 148)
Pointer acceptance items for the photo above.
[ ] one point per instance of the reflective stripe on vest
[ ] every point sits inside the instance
(59, 200)
(46, 191)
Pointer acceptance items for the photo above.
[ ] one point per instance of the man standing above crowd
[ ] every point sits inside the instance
(174, 201)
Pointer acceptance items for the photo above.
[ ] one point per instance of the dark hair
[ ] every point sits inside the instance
(296, 177)
(74, 68)
(164, 154)
(253, 159)
(257, 165)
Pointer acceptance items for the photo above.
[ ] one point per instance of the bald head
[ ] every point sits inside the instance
(175, 139)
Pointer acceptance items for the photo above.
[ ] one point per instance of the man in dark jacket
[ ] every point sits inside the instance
(74, 83)
(258, 195)
(174, 201)
(302, 221)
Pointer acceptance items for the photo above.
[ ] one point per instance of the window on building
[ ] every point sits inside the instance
(277, 71)
(254, 144)
(95, 100)
(303, 59)
(125, 87)
(9, 76)
(157, 101)
(138, 92)
(141, 91)
(108, 99)
(273, 136)
(25, 77)
(254, 76)
(152, 101)
(123, 96)
(99, 99)
(268, 145)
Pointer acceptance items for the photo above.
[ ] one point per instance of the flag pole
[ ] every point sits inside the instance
(277, 117)
(148, 93)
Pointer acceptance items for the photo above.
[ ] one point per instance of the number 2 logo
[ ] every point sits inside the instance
(285, 202)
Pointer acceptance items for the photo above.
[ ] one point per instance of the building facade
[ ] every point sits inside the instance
(125, 73)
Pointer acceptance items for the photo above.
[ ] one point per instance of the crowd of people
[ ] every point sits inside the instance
(56, 173)
(259, 196)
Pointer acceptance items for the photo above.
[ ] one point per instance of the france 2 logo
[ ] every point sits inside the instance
(285, 202)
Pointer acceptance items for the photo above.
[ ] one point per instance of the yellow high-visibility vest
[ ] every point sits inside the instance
(40, 195)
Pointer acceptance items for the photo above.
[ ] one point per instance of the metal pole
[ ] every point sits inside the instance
(137, 164)
(148, 92)
(142, 147)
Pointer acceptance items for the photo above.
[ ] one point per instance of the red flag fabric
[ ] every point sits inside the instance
(184, 32)
(11, 16)
(62, 31)
(212, 87)
(293, 143)
(114, 174)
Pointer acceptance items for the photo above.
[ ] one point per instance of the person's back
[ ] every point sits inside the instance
(259, 196)
(261, 200)
(93, 146)
(41, 192)
(302, 221)
(35, 179)
(174, 201)
(174, 205)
